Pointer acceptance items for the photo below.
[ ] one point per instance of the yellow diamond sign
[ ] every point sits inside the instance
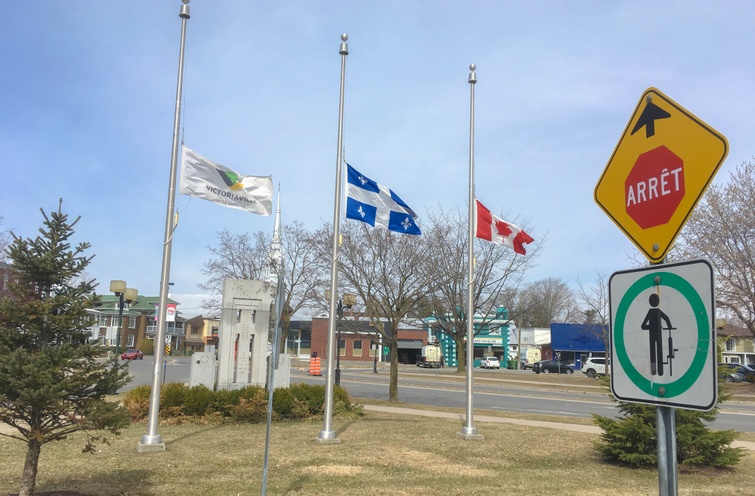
(660, 169)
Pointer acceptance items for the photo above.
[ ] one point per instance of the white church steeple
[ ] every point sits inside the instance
(276, 254)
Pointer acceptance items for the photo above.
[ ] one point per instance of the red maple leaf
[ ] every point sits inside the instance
(503, 228)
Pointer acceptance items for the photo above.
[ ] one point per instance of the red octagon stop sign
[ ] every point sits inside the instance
(654, 187)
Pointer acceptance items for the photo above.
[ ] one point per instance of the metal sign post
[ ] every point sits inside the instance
(663, 342)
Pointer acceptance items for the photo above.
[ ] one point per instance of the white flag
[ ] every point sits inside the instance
(203, 178)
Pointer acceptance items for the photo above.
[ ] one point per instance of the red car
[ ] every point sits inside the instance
(132, 355)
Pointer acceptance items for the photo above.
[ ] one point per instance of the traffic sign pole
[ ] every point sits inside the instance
(662, 165)
(665, 433)
(665, 425)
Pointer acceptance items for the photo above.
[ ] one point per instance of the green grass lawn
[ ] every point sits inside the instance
(380, 454)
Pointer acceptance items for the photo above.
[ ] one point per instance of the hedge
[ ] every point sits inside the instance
(178, 401)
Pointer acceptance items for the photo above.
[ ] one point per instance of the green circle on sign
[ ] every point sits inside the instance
(689, 378)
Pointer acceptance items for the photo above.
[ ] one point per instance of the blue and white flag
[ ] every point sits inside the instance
(377, 205)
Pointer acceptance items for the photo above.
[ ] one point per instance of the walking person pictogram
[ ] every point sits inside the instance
(654, 324)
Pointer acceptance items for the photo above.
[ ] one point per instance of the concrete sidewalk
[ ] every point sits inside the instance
(588, 429)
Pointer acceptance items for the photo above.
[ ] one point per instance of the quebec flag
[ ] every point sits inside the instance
(377, 205)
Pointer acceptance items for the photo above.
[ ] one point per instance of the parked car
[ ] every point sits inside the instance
(732, 377)
(490, 362)
(132, 355)
(594, 367)
(747, 372)
(555, 366)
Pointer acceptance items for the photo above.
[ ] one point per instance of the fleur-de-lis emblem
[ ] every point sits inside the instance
(406, 223)
(363, 181)
(361, 212)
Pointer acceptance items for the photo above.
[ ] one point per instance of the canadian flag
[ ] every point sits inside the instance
(499, 231)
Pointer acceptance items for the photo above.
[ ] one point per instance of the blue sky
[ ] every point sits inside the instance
(88, 94)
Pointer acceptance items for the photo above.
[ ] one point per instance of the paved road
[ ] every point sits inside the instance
(499, 390)
(509, 392)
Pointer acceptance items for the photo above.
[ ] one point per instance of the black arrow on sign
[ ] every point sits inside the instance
(648, 118)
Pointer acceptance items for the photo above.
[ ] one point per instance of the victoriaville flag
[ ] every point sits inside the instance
(377, 205)
(203, 178)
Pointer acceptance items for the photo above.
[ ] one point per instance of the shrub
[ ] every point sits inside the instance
(284, 403)
(252, 406)
(173, 395)
(342, 404)
(632, 439)
(137, 402)
(249, 404)
(313, 396)
(198, 401)
(224, 400)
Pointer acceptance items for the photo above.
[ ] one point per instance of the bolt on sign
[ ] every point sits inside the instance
(662, 165)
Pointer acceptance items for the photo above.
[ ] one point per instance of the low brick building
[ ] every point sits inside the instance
(359, 342)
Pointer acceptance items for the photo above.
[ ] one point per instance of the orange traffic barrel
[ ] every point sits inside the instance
(314, 366)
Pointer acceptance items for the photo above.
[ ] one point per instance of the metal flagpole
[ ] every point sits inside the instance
(327, 435)
(273, 364)
(469, 432)
(152, 441)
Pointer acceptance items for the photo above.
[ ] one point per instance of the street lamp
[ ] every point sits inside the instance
(347, 302)
(374, 360)
(124, 294)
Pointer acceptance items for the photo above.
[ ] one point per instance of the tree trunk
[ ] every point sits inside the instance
(29, 476)
(461, 354)
(393, 383)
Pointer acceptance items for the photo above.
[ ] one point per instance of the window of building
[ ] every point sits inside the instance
(373, 350)
(357, 351)
(130, 343)
(114, 321)
(731, 344)
(132, 322)
(341, 347)
(102, 321)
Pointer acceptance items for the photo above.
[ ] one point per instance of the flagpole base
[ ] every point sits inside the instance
(150, 444)
(327, 437)
(470, 434)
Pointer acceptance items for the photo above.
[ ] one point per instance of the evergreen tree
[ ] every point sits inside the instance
(632, 439)
(51, 383)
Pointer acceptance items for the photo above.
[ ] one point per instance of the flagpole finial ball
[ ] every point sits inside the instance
(186, 2)
(344, 37)
(472, 67)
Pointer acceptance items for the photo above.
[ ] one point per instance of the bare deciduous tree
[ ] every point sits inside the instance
(545, 301)
(595, 302)
(498, 273)
(237, 256)
(722, 230)
(385, 270)
(303, 270)
(244, 256)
